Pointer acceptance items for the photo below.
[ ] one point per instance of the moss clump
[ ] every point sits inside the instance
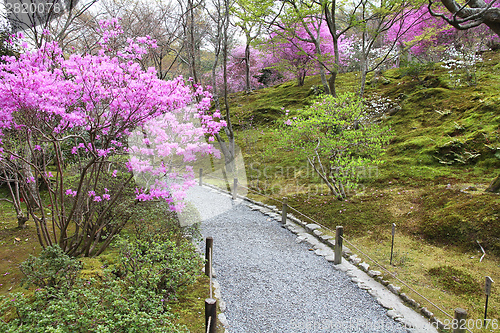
(455, 280)
(461, 217)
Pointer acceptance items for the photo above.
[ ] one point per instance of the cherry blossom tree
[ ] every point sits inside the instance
(101, 135)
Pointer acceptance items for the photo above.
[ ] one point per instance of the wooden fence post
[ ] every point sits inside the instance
(339, 233)
(487, 291)
(392, 243)
(235, 188)
(201, 175)
(460, 321)
(284, 211)
(211, 315)
(209, 245)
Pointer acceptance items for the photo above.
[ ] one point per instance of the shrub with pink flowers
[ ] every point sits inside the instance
(87, 128)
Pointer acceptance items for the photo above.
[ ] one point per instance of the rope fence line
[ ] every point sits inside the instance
(347, 241)
(395, 277)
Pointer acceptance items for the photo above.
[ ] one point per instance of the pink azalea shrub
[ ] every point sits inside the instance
(78, 112)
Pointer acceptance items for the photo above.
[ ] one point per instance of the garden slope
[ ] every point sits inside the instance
(444, 152)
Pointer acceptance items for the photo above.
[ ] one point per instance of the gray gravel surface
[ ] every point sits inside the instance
(271, 283)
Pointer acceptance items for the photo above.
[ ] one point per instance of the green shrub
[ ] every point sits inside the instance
(109, 307)
(162, 266)
(414, 69)
(153, 220)
(52, 269)
(150, 272)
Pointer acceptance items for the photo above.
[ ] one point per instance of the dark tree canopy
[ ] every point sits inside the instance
(469, 15)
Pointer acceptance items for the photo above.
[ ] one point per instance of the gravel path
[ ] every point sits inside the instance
(271, 283)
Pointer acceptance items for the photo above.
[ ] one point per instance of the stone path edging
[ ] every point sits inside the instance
(387, 295)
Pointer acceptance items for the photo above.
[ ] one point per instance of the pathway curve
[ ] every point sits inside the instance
(271, 283)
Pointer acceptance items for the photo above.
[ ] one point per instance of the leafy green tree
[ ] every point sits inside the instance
(338, 139)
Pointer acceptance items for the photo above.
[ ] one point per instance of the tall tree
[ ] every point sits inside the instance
(340, 19)
(160, 20)
(194, 29)
(301, 25)
(221, 39)
(39, 17)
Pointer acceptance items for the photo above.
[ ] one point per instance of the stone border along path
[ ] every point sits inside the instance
(247, 297)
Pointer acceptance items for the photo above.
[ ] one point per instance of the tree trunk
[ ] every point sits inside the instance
(494, 186)
(192, 46)
(331, 82)
(362, 84)
(247, 67)
(324, 81)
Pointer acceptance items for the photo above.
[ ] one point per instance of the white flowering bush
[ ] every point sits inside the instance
(461, 63)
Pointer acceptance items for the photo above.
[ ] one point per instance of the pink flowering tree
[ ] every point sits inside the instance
(88, 137)
(427, 38)
(260, 66)
(304, 48)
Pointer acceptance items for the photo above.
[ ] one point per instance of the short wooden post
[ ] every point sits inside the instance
(211, 315)
(487, 291)
(209, 246)
(235, 188)
(201, 175)
(339, 233)
(284, 211)
(460, 321)
(392, 243)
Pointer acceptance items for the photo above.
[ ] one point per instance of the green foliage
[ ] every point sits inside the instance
(130, 296)
(414, 69)
(152, 219)
(337, 138)
(159, 265)
(52, 269)
(110, 307)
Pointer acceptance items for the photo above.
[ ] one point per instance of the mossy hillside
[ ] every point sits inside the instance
(442, 136)
(263, 107)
